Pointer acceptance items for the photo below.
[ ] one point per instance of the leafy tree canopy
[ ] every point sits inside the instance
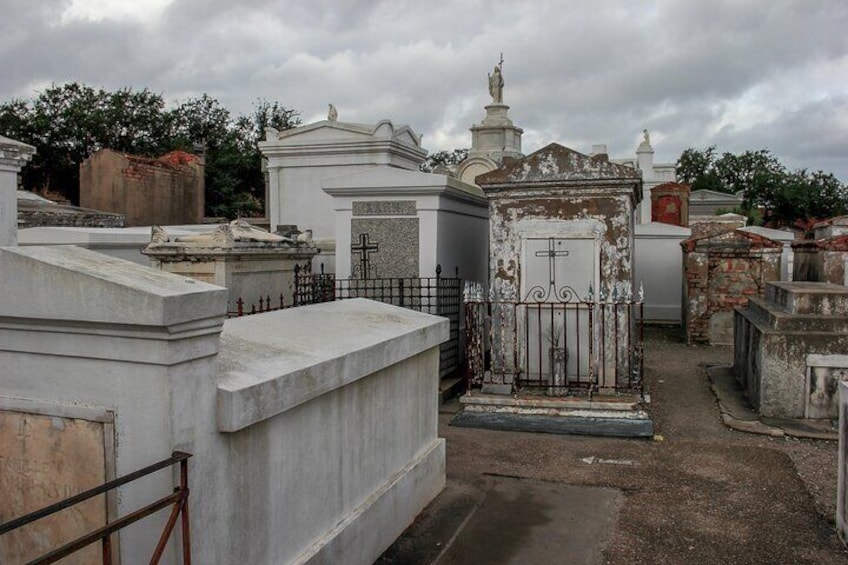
(443, 159)
(771, 193)
(67, 123)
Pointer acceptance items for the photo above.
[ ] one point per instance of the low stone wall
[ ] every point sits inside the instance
(313, 430)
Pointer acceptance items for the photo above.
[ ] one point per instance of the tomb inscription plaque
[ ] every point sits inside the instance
(46, 459)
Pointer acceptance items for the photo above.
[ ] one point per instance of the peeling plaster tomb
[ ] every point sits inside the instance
(560, 219)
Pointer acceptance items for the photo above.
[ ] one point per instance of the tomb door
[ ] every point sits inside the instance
(556, 344)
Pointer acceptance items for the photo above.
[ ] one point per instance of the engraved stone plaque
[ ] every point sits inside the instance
(384, 208)
(43, 460)
(397, 247)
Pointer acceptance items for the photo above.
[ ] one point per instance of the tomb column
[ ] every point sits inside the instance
(13, 157)
(272, 200)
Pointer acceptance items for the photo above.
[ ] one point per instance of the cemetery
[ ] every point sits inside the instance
(297, 381)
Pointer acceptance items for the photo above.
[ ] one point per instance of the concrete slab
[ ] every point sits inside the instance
(522, 522)
(605, 427)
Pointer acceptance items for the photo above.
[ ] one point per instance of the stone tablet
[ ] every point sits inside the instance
(384, 208)
(45, 459)
(396, 253)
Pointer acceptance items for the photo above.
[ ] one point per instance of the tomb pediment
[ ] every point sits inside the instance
(734, 239)
(556, 163)
(347, 132)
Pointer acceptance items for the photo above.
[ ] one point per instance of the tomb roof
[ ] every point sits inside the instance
(556, 163)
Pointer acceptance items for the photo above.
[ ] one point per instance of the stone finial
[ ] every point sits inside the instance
(332, 113)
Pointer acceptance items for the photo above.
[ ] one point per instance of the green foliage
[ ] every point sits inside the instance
(68, 123)
(771, 193)
(443, 159)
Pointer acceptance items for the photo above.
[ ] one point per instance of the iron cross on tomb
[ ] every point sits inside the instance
(364, 248)
(552, 253)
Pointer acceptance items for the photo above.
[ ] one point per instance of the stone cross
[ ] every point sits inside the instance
(363, 249)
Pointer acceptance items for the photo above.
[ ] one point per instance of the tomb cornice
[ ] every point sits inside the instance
(140, 344)
(322, 154)
(447, 190)
(606, 188)
(14, 154)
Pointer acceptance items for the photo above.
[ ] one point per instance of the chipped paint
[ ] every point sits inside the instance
(560, 193)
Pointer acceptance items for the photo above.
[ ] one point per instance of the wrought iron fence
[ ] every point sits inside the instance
(441, 296)
(554, 341)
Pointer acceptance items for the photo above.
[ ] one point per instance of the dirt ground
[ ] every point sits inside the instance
(701, 494)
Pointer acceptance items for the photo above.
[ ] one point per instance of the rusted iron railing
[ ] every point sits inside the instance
(554, 340)
(178, 500)
(242, 309)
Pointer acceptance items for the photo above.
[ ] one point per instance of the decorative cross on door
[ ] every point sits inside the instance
(552, 253)
(364, 248)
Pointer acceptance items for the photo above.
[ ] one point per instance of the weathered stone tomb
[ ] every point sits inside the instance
(252, 263)
(561, 231)
(721, 272)
(790, 349)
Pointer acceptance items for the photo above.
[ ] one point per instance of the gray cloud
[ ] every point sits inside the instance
(742, 75)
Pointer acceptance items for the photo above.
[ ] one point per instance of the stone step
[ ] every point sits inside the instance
(808, 297)
(450, 388)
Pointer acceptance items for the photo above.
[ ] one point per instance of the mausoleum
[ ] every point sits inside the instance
(391, 222)
(561, 241)
(299, 159)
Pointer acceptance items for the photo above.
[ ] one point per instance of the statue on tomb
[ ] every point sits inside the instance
(646, 136)
(332, 114)
(496, 84)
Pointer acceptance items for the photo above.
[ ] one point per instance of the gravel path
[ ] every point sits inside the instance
(703, 494)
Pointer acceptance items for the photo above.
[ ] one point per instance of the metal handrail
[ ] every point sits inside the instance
(179, 500)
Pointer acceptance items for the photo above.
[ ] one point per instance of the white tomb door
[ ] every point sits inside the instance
(557, 333)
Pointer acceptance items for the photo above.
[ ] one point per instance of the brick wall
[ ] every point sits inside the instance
(670, 204)
(721, 273)
(167, 190)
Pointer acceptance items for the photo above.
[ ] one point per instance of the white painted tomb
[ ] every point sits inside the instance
(299, 159)
(658, 266)
(414, 221)
(121, 243)
(315, 427)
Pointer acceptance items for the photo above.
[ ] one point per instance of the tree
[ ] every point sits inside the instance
(68, 123)
(443, 159)
(695, 167)
(771, 194)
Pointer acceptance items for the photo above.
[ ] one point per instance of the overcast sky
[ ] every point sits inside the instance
(740, 74)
